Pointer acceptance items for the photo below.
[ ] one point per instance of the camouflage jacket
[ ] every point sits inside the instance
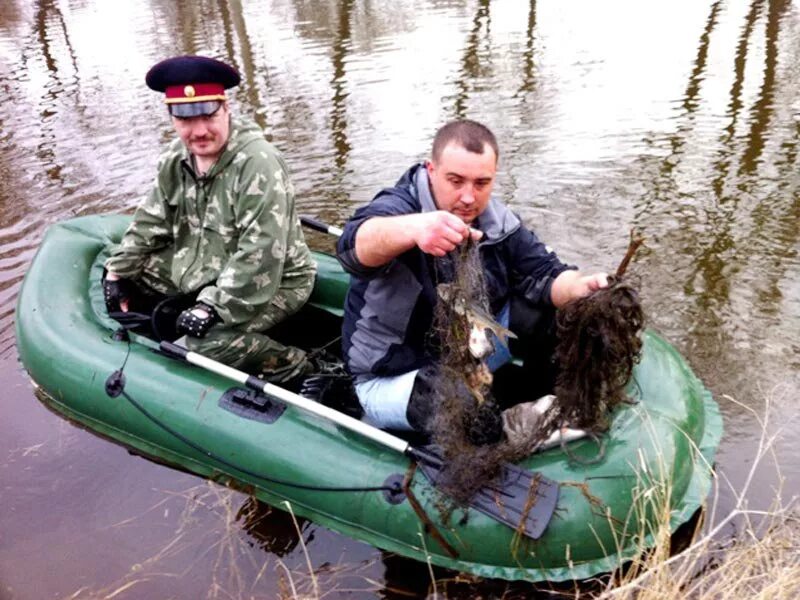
(233, 234)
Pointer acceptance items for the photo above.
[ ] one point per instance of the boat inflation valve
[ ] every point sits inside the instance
(393, 492)
(115, 384)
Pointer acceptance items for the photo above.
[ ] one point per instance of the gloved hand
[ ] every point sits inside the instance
(116, 292)
(196, 321)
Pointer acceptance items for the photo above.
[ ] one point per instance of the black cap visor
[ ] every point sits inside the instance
(187, 110)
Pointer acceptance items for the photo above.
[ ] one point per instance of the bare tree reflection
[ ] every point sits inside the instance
(664, 185)
(187, 25)
(690, 102)
(763, 108)
(47, 12)
(528, 65)
(472, 67)
(708, 224)
(234, 27)
(725, 254)
(727, 151)
(775, 233)
(341, 48)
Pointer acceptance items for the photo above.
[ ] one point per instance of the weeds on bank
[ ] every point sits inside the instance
(761, 561)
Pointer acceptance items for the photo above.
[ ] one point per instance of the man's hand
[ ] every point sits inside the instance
(196, 321)
(571, 285)
(117, 292)
(439, 232)
(381, 239)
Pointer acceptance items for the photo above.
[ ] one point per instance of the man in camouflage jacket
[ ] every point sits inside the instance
(220, 221)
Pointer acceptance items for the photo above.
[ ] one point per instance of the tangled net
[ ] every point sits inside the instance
(598, 345)
(466, 415)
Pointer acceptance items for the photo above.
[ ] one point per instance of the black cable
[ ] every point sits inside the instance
(211, 455)
(116, 382)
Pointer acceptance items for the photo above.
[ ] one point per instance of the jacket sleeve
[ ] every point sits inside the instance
(149, 231)
(534, 266)
(385, 204)
(252, 274)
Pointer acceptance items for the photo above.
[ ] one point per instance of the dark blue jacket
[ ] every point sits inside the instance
(389, 309)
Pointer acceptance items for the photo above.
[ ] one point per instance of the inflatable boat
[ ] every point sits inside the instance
(596, 511)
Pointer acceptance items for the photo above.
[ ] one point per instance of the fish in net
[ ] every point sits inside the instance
(598, 344)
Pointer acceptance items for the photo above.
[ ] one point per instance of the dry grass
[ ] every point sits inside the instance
(761, 561)
(215, 547)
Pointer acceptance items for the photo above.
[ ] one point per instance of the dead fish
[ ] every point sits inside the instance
(481, 344)
(481, 323)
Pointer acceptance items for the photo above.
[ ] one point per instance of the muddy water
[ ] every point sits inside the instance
(678, 118)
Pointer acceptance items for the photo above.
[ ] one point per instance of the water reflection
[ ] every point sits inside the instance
(678, 118)
(528, 69)
(763, 107)
(236, 28)
(736, 103)
(716, 227)
(48, 11)
(476, 62)
(275, 531)
(338, 126)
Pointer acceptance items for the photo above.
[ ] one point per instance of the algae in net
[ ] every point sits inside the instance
(598, 344)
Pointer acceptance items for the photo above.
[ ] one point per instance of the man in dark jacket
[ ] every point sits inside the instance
(390, 247)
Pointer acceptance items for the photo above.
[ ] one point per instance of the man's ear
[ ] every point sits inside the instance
(429, 167)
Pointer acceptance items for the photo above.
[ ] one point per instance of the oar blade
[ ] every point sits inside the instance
(521, 499)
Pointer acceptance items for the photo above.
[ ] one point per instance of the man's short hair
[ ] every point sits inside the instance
(470, 135)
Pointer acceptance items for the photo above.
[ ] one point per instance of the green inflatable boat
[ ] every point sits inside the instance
(659, 449)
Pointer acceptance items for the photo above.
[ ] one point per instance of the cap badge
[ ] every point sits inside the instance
(188, 91)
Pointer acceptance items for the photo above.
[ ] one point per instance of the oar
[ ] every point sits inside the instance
(312, 223)
(522, 500)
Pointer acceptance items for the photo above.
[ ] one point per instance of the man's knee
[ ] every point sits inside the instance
(254, 353)
(220, 344)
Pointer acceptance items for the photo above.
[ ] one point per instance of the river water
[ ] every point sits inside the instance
(678, 118)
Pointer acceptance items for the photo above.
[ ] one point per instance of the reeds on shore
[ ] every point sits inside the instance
(760, 560)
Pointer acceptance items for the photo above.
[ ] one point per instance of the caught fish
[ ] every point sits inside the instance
(481, 344)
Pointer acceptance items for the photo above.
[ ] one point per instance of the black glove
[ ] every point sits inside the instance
(190, 324)
(114, 292)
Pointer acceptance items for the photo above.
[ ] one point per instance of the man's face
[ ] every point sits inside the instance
(462, 181)
(204, 136)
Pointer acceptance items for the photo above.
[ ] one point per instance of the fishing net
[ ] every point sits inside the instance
(466, 422)
(598, 345)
